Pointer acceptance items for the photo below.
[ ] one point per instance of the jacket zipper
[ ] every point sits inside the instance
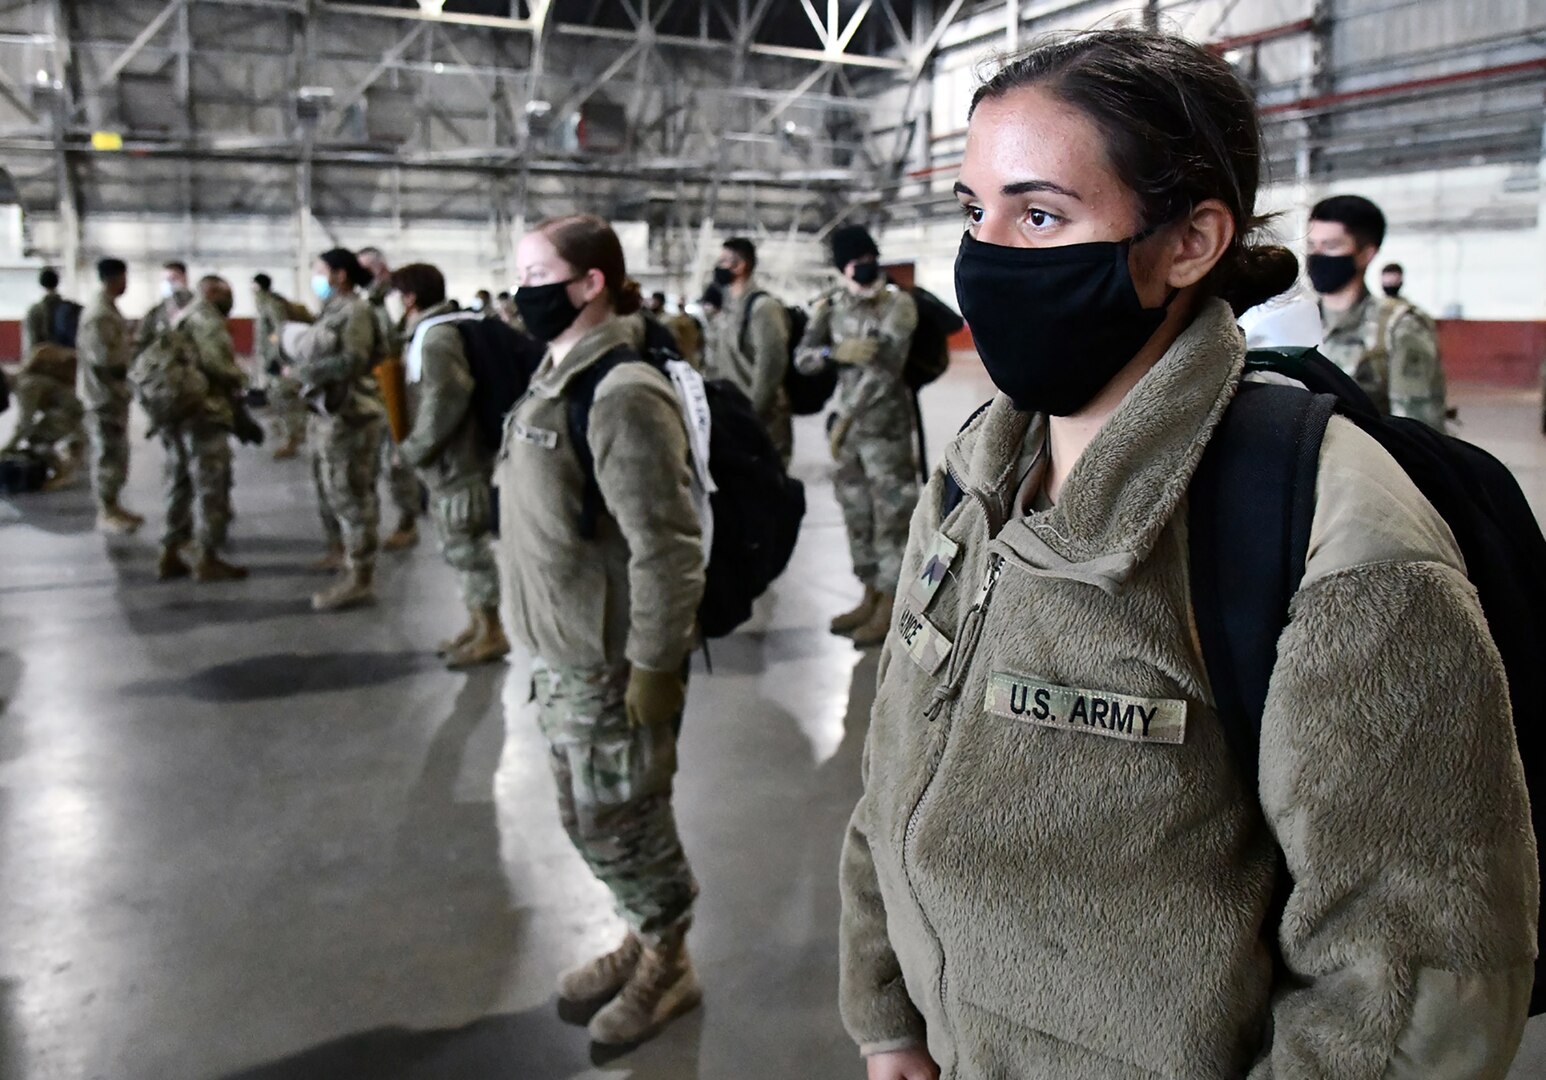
(949, 691)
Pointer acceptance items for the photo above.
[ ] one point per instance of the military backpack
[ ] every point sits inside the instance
(167, 380)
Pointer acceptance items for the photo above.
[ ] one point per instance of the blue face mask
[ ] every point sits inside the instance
(321, 286)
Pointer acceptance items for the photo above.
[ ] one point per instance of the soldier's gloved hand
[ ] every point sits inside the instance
(654, 697)
(856, 351)
(839, 433)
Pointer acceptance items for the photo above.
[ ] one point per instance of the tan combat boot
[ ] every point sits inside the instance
(662, 988)
(171, 565)
(212, 568)
(470, 631)
(333, 561)
(604, 976)
(487, 644)
(115, 519)
(850, 621)
(354, 590)
(874, 631)
(406, 536)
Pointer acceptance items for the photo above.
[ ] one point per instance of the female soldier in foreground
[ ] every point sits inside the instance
(1031, 892)
(610, 619)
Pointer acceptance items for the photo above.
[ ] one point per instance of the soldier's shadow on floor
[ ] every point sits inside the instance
(56, 514)
(530, 1045)
(179, 614)
(281, 675)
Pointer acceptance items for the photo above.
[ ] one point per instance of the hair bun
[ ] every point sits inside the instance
(1254, 274)
(629, 298)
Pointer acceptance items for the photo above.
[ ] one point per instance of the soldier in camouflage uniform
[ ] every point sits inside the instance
(750, 345)
(48, 411)
(447, 449)
(175, 298)
(402, 483)
(103, 351)
(1385, 343)
(347, 425)
(198, 449)
(284, 393)
(866, 328)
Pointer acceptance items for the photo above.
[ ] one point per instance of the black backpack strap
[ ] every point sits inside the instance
(580, 395)
(1252, 502)
(746, 316)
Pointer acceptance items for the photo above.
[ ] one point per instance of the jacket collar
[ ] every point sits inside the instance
(552, 380)
(1129, 483)
(1353, 317)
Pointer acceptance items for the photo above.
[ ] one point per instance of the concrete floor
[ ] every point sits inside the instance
(242, 842)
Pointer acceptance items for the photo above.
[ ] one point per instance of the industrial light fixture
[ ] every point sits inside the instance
(431, 7)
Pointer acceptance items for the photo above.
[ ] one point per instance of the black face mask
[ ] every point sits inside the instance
(546, 310)
(724, 276)
(1392, 290)
(1330, 273)
(866, 273)
(1053, 325)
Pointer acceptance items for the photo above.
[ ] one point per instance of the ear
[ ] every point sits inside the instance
(594, 284)
(1199, 242)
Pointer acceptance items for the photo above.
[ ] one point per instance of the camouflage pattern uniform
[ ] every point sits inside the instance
(614, 795)
(402, 483)
(876, 480)
(346, 442)
(104, 352)
(756, 361)
(47, 408)
(198, 450)
(1392, 350)
(160, 317)
(284, 392)
(446, 448)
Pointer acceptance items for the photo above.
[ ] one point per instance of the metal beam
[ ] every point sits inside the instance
(115, 69)
(358, 91)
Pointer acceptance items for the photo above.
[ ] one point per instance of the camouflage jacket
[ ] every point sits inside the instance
(343, 353)
(1391, 349)
(206, 327)
(37, 329)
(755, 361)
(445, 443)
(389, 336)
(160, 317)
(889, 316)
(105, 351)
(273, 312)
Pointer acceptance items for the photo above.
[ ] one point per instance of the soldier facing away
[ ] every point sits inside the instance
(1387, 344)
(866, 328)
(198, 448)
(750, 345)
(445, 446)
(284, 392)
(104, 351)
(48, 410)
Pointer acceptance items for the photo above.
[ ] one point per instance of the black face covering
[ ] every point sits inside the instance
(1392, 290)
(546, 310)
(724, 277)
(1329, 273)
(866, 273)
(1053, 325)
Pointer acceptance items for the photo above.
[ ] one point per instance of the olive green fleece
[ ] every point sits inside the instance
(1039, 901)
(445, 443)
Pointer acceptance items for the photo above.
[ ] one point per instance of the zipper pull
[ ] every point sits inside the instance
(970, 634)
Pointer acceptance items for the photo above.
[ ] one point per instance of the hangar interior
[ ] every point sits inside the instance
(238, 842)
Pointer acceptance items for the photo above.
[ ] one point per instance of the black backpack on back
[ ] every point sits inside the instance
(502, 360)
(64, 323)
(928, 356)
(757, 508)
(808, 394)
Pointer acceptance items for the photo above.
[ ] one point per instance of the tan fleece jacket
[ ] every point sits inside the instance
(445, 444)
(1053, 871)
(631, 595)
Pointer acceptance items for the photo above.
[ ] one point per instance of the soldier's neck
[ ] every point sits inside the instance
(1344, 299)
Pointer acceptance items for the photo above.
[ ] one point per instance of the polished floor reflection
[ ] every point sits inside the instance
(239, 841)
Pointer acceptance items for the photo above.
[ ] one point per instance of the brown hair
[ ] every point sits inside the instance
(586, 242)
(1179, 128)
(425, 282)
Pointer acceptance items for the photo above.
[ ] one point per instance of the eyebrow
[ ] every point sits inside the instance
(1025, 187)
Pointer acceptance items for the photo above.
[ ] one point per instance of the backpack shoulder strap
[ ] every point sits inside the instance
(746, 315)
(579, 396)
(1252, 502)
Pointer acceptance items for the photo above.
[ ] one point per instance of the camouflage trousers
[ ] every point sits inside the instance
(876, 483)
(284, 397)
(345, 466)
(47, 414)
(108, 427)
(402, 481)
(614, 795)
(197, 482)
(463, 518)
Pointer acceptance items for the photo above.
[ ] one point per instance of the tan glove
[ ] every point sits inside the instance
(654, 697)
(839, 434)
(856, 351)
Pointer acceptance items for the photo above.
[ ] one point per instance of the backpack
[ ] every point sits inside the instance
(167, 380)
(1247, 567)
(502, 360)
(808, 394)
(757, 507)
(22, 473)
(928, 355)
(64, 323)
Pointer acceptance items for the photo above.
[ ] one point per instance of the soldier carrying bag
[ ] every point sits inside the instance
(167, 380)
(808, 394)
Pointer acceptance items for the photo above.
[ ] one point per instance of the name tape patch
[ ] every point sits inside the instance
(1093, 712)
(923, 642)
(931, 575)
(548, 440)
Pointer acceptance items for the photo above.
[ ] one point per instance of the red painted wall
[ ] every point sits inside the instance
(1495, 353)
(10, 338)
